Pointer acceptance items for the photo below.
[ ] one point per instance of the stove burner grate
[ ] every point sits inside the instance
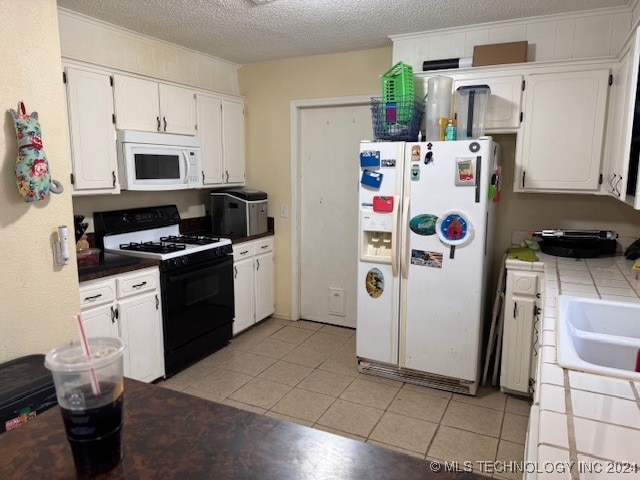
(189, 239)
(152, 247)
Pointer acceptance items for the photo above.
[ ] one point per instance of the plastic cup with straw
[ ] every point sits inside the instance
(88, 376)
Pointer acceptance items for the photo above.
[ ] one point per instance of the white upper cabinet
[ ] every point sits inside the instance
(221, 133)
(209, 110)
(503, 106)
(92, 133)
(233, 140)
(177, 110)
(153, 107)
(559, 148)
(137, 104)
(622, 143)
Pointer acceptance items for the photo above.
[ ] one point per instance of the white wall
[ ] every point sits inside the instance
(37, 300)
(90, 40)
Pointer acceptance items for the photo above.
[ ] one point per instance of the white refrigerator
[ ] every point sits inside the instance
(426, 223)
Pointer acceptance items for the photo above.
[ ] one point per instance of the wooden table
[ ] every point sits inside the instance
(169, 434)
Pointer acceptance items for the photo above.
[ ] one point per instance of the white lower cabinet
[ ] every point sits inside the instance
(253, 282)
(128, 306)
(520, 335)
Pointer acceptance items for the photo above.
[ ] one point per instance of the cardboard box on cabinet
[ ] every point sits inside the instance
(500, 53)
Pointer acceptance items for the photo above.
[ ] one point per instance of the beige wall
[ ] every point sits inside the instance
(37, 300)
(269, 88)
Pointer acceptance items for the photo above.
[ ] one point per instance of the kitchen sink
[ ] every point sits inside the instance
(599, 336)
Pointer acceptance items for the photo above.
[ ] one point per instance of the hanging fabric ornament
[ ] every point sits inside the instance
(32, 169)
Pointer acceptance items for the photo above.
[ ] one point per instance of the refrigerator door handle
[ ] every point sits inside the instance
(394, 241)
(405, 234)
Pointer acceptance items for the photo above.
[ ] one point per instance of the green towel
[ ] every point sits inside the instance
(522, 253)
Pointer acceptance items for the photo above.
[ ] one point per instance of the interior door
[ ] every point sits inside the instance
(329, 147)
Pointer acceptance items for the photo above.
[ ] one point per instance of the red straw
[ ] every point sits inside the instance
(95, 386)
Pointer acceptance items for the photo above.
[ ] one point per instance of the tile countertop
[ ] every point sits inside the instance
(586, 421)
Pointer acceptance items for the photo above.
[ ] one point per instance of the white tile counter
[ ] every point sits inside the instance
(589, 422)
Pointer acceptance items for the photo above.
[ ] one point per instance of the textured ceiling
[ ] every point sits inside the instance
(243, 32)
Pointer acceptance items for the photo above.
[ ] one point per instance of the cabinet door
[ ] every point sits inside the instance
(140, 322)
(136, 104)
(100, 321)
(233, 141)
(518, 331)
(209, 111)
(503, 106)
(244, 294)
(177, 110)
(619, 127)
(264, 285)
(561, 142)
(93, 135)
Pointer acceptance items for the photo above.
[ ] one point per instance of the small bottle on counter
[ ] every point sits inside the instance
(450, 131)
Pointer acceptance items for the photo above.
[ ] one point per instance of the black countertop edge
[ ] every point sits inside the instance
(114, 264)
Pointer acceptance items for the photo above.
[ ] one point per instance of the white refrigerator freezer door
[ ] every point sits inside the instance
(442, 298)
(378, 288)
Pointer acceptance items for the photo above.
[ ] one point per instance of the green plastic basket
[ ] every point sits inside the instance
(397, 83)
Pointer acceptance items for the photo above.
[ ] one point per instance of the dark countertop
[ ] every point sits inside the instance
(240, 239)
(113, 264)
(168, 434)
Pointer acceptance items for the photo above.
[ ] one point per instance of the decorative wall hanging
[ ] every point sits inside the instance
(32, 169)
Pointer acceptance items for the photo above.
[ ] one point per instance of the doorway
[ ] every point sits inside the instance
(325, 191)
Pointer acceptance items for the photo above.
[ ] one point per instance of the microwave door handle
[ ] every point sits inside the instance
(187, 166)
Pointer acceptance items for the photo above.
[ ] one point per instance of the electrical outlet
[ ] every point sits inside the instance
(284, 211)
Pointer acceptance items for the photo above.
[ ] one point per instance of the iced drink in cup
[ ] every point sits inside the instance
(89, 392)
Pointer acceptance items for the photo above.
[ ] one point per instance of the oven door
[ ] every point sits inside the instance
(197, 301)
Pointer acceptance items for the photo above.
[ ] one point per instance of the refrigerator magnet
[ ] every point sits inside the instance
(424, 224)
(382, 204)
(454, 228)
(369, 159)
(374, 282)
(415, 172)
(425, 258)
(371, 179)
(415, 153)
(465, 171)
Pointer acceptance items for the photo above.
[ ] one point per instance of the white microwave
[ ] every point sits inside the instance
(158, 161)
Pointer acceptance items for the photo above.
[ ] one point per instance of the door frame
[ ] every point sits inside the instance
(296, 108)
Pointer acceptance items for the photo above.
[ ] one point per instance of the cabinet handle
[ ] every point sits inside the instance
(515, 308)
(244, 252)
(235, 272)
(616, 185)
(157, 302)
(164, 119)
(227, 172)
(538, 295)
(523, 174)
(113, 176)
(611, 183)
(158, 119)
(113, 315)
(139, 285)
(257, 264)
(264, 246)
(92, 298)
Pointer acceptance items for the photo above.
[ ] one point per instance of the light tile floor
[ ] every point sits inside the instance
(306, 372)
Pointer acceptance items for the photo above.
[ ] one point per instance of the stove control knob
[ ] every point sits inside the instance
(184, 260)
